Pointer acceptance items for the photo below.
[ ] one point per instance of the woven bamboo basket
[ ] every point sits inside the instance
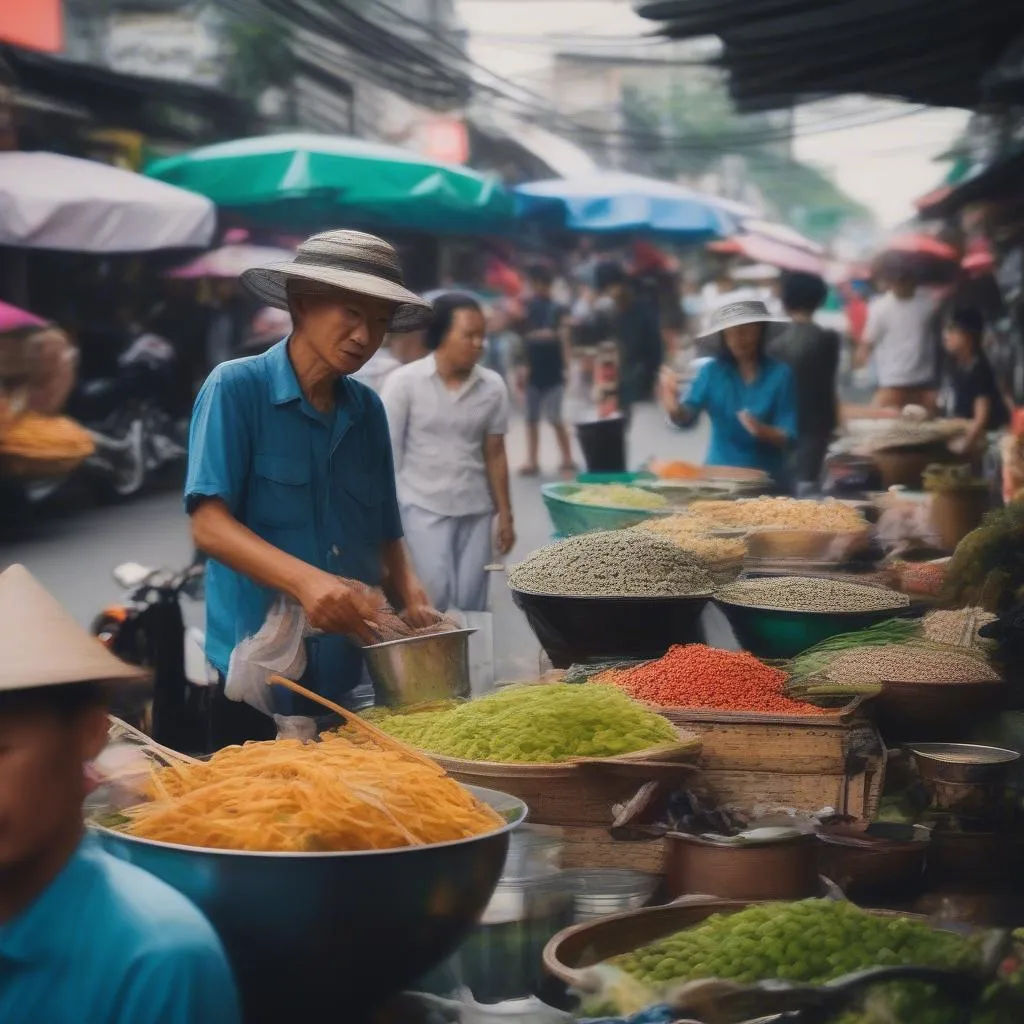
(801, 761)
(582, 792)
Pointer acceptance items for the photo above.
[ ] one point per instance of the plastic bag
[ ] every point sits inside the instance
(278, 647)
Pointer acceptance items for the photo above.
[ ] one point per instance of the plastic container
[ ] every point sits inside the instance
(782, 633)
(604, 444)
(569, 517)
(501, 960)
(603, 891)
(576, 630)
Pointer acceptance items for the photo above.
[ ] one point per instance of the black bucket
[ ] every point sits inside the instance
(604, 444)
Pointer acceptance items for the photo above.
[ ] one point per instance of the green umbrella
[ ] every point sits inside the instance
(323, 181)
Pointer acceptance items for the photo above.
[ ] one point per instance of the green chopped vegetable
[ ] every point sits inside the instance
(536, 724)
(809, 942)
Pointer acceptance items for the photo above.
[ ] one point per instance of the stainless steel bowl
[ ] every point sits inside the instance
(420, 669)
(963, 762)
(329, 935)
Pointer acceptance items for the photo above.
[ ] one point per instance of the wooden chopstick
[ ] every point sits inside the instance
(351, 718)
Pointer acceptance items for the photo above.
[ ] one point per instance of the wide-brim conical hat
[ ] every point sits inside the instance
(42, 645)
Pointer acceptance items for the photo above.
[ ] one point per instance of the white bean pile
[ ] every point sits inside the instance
(910, 663)
(612, 563)
(812, 594)
(959, 626)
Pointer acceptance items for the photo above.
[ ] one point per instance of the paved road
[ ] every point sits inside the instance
(72, 553)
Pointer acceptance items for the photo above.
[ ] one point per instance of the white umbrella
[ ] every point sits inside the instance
(50, 201)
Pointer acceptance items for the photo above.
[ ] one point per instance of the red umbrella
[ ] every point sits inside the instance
(922, 245)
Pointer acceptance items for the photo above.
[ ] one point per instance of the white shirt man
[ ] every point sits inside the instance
(899, 334)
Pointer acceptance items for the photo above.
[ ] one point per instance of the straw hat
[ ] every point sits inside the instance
(736, 314)
(41, 645)
(350, 260)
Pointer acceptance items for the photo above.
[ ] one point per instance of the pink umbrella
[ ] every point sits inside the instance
(761, 249)
(230, 261)
(14, 319)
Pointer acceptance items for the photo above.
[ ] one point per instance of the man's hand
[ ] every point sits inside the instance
(506, 534)
(336, 605)
(418, 610)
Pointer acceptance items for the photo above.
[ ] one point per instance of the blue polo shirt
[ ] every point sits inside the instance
(721, 392)
(107, 943)
(321, 487)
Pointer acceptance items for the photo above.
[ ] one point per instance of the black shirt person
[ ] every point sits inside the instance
(974, 394)
(546, 358)
(633, 324)
(812, 353)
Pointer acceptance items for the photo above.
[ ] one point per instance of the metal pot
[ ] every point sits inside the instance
(332, 930)
(420, 669)
(784, 869)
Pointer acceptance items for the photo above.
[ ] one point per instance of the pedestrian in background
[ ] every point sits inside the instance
(749, 397)
(899, 334)
(448, 418)
(546, 358)
(633, 325)
(812, 353)
(973, 394)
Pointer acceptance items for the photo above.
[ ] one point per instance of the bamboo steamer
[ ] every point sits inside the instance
(582, 792)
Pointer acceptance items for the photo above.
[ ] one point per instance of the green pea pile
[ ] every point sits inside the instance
(534, 724)
(812, 941)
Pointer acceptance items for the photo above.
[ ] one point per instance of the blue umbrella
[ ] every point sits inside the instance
(614, 202)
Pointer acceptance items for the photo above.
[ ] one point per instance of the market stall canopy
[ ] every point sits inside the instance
(611, 202)
(49, 201)
(777, 52)
(159, 108)
(230, 261)
(319, 181)
(996, 181)
(777, 245)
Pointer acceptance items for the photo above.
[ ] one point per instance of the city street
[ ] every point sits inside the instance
(73, 553)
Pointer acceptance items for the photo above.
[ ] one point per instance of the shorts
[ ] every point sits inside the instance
(544, 403)
(924, 395)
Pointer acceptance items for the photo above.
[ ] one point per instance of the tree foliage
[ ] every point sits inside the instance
(688, 131)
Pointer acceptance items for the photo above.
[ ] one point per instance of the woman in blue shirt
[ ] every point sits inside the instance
(750, 399)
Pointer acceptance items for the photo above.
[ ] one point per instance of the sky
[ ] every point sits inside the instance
(885, 165)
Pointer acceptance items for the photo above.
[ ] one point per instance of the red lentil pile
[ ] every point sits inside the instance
(698, 676)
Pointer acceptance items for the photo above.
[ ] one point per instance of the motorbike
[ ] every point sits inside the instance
(147, 628)
(129, 417)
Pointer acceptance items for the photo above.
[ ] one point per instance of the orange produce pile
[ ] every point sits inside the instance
(676, 470)
(698, 676)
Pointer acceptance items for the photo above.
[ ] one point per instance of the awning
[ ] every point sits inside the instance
(1001, 179)
(777, 52)
(562, 158)
(157, 107)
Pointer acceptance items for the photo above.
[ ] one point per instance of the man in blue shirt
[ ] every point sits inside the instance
(291, 484)
(85, 938)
